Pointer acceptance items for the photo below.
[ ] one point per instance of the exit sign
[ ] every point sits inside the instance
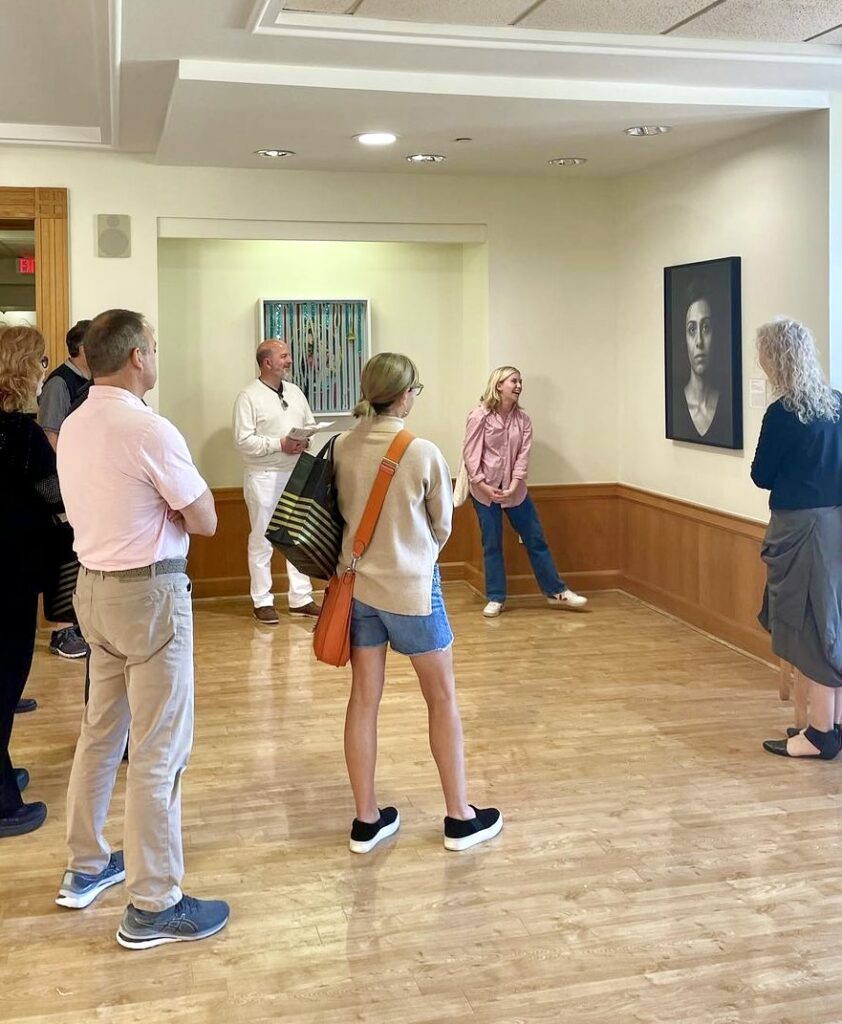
(26, 264)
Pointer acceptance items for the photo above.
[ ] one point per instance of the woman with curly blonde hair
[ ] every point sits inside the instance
(22, 366)
(799, 460)
(29, 501)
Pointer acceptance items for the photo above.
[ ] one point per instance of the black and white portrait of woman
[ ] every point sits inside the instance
(702, 346)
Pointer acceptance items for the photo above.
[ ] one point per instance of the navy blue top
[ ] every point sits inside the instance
(800, 463)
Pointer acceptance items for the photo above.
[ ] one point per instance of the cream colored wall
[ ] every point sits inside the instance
(549, 269)
(207, 327)
(764, 198)
(573, 271)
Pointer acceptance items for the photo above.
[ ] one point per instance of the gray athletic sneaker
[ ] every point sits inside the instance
(78, 890)
(188, 921)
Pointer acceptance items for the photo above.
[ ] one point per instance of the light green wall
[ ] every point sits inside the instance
(427, 300)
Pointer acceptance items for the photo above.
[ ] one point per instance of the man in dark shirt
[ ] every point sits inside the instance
(64, 389)
(65, 385)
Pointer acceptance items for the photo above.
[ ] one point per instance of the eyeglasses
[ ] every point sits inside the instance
(45, 362)
(416, 389)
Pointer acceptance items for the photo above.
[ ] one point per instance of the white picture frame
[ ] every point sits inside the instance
(329, 340)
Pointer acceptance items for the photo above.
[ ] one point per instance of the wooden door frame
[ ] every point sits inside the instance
(46, 208)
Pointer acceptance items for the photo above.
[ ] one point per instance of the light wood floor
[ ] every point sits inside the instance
(656, 865)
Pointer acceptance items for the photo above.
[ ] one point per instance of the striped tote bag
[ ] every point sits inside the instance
(306, 526)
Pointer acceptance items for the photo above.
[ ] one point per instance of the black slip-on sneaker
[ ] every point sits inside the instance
(461, 835)
(366, 835)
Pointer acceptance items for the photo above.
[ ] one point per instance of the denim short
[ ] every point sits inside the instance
(408, 634)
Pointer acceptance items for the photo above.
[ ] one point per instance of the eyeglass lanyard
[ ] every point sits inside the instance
(279, 392)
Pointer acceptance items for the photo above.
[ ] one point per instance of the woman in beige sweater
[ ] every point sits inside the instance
(398, 600)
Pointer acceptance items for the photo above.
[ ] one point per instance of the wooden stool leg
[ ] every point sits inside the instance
(785, 680)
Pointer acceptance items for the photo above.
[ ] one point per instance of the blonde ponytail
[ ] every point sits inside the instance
(364, 408)
(384, 379)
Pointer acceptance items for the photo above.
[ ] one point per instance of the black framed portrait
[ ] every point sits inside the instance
(703, 353)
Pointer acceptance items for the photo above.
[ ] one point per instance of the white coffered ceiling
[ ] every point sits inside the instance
(207, 82)
(788, 21)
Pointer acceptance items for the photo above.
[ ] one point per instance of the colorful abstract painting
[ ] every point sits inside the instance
(329, 343)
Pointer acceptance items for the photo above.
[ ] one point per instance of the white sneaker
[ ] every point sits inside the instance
(492, 609)
(568, 599)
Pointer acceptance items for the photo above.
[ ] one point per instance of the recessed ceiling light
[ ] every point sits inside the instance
(640, 130)
(426, 158)
(376, 138)
(273, 154)
(567, 161)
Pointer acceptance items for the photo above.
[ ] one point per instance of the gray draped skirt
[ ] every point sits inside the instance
(802, 603)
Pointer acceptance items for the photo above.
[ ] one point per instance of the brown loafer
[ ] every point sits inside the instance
(310, 610)
(267, 615)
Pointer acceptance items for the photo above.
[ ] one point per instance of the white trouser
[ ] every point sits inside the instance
(262, 488)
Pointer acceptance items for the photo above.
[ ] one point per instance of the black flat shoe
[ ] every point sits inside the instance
(827, 744)
(21, 778)
(25, 819)
(25, 704)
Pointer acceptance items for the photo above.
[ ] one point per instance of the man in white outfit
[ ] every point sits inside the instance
(264, 414)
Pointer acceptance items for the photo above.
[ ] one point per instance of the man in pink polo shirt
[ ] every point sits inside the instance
(133, 496)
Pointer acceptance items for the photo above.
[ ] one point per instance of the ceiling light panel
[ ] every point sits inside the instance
(770, 20)
(637, 17)
(445, 12)
(318, 6)
(376, 138)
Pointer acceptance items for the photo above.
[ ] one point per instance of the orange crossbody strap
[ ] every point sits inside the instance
(385, 473)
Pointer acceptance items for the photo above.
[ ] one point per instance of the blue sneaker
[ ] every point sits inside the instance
(68, 643)
(188, 921)
(78, 890)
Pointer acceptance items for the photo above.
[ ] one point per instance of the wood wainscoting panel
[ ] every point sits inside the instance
(732, 577)
(218, 565)
(698, 564)
(464, 547)
(659, 547)
(581, 524)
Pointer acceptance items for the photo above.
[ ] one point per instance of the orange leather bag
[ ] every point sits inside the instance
(332, 635)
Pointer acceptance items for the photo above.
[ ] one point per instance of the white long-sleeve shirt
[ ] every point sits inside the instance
(261, 422)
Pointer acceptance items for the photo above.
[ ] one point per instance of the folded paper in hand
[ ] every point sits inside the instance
(305, 433)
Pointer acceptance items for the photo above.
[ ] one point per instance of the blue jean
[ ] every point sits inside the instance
(408, 634)
(524, 519)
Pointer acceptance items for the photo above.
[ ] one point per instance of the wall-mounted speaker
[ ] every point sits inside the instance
(113, 235)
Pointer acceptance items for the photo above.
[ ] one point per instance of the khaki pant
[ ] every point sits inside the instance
(141, 638)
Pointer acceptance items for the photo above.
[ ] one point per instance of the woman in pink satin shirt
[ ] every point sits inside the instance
(498, 437)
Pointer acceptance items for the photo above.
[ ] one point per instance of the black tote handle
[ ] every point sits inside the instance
(328, 444)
